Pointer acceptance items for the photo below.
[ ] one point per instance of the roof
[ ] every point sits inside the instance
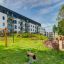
(15, 14)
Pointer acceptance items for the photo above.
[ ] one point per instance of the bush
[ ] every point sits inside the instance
(32, 36)
(25, 35)
(39, 36)
(55, 46)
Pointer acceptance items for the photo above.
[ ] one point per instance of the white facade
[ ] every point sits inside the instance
(17, 25)
(3, 20)
(23, 25)
(32, 28)
(49, 34)
(42, 30)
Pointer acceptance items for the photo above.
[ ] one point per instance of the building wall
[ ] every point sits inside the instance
(17, 25)
(23, 24)
(49, 35)
(42, 30)
(3, 20)
(32, 28)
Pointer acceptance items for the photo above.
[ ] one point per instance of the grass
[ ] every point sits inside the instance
(15, 53)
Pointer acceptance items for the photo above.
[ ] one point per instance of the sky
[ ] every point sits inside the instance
(42, 11)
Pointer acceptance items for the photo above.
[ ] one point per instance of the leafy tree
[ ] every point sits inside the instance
(61, 21)
(54, 29)
(61, 27)
(61, 13)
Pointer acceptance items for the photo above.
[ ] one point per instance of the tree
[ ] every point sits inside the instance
(61, 27)
(54, 29)
(61, 13)
(61, 21)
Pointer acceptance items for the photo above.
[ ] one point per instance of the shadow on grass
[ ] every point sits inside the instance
(18, 56)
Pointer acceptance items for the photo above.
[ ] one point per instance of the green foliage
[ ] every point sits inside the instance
(25, 35)
(61, 13)
(54, 28)
(61, 27)
(61, 21)
(15, 53)
(33, 36)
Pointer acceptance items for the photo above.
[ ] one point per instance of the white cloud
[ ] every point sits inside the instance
(44, 2)
(27, 3)
(2, 2)
(47, 10)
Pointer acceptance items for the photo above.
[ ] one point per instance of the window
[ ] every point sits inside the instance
(3, 24)
(31, 25)
(3, 11)
(15, 22)
(15, 27)
(3, 18)
(35, 30)
(31, 29)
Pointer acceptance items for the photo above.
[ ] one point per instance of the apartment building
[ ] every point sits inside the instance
(42, 30)
(3, 20)
(17, 22)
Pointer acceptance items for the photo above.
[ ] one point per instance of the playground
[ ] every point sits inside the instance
(15, 53)
(14, 47)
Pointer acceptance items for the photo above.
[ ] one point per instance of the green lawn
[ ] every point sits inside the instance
(15, 53)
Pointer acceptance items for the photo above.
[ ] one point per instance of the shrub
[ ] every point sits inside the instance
(32, 36)
(25, 35)
(55, 46)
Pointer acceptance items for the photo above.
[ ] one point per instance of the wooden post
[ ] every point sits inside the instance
(12, 27)
(5, 32)
(13, 31)
(13, 36)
